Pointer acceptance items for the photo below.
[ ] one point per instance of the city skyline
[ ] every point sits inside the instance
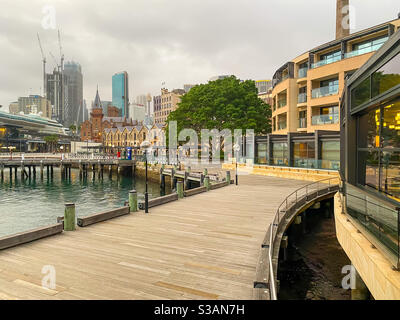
(174, 54)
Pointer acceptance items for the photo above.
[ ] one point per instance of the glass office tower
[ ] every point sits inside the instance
(370, 159)
(120, 93)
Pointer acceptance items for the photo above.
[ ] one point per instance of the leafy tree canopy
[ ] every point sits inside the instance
(223, 104)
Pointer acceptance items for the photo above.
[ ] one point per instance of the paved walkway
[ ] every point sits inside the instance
(202, 247)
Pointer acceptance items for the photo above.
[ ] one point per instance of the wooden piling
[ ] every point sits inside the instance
(22, 170)
(207, 182)
(179, 189)
(228, 177)
(69, 217)
(133, 203)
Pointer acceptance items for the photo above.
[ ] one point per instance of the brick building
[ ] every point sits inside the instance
(92, 130)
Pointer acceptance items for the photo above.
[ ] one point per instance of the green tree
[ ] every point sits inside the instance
(72, 127)
(51, 142)
(223, 104)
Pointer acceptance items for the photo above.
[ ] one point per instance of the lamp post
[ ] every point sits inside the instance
(236, 148)
(146, 145)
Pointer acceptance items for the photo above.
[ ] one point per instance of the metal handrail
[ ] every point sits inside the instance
(276, 221)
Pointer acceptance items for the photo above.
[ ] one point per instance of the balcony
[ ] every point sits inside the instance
(303, 123)
(325, 119)
(282, 125)
(302, 98)
(325, 91)
(302, 72)
(282, 103)
(325, 62)
(363, 51)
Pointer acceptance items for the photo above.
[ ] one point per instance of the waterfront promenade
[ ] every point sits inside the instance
(201, 247)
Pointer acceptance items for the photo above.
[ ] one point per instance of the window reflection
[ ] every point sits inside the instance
(280, 154)
(386, 77)
(379, 149)
(304, 155)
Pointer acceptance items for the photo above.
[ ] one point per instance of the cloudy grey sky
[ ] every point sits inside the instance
(171, 41)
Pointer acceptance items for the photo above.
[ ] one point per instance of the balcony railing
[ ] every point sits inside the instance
(302, 98)
(362, 51)
(325, 62)
(302, 72)
(282, 103)
(325, 119)
(303, 123)
(377, 218)
(325, 91)
(282, 125)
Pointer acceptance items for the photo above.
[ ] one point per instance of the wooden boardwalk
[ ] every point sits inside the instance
(202, 247)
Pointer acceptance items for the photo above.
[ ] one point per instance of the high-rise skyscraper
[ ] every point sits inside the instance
(120, 93)
(74, 108)
(57, 94)
(85, 113)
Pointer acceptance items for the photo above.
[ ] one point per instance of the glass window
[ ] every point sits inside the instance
(282, 122)
(386, 77)
(334, 83)
(361, 93)
(329, 110)
(331, 56)
(303, 119)
(370, 45)
(304, 155)
(261, 153)
(330, 155)
(391, 126)
(280, 153)
(379, 149)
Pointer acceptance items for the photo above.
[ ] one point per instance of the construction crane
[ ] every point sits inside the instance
(55, 61)
(61, 53)
(44, 67)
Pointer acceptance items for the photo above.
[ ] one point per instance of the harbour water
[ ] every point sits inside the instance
(313, 270)
(29, 204)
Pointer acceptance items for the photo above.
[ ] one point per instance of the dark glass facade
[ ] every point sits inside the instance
(318, 150)
(370, 163)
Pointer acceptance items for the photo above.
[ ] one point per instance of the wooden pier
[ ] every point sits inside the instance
(202, 247)
(29, 169)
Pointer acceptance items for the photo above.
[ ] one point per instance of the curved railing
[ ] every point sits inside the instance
(292, 202)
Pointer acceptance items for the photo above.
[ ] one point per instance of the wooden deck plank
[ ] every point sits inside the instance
(201, 247)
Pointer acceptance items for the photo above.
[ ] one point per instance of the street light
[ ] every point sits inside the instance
(236, 148)
(146, 145)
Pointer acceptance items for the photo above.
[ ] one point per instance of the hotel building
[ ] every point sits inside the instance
(306, 96)
(169, 103)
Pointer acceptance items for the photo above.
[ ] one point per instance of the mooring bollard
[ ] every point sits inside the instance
(207, 182)
(69, 217)
(133, 204)
(228, 177)
(179, 189)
